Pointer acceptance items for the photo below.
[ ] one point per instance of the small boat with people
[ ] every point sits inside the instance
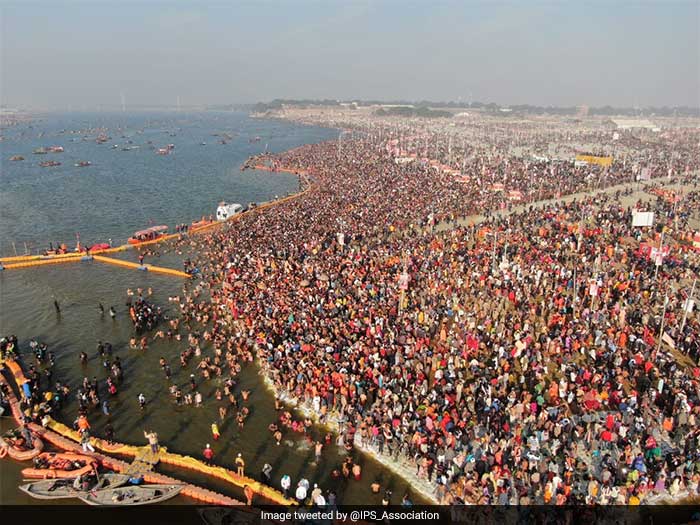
(49, 163)
(226, 211)
(41, 151)
(50, 465)
(83, 164)
(15, 445)
(201, 223)
(98, 247)
(56, 149)
(149, 234)
(61, 249)
(132, 495)
(73, 487)
(16, 157)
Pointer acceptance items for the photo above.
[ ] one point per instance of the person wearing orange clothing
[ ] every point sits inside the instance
(83, 423)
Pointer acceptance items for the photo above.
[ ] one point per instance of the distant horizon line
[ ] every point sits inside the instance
(452, 104)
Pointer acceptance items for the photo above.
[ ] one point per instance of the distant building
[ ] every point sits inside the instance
(633, 124)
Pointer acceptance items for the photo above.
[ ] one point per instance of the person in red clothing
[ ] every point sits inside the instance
(208, 454)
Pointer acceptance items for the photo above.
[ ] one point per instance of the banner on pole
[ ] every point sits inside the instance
(642, 218)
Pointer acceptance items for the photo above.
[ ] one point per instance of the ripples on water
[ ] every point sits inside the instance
(121, 192)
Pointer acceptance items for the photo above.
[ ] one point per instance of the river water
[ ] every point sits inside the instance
(123, 191)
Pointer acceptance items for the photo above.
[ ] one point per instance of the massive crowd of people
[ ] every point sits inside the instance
(539, 356)
(517, 360)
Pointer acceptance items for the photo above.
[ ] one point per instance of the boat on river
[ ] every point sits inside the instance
(63, 488)
(226, 211)
(14, 445)
(83, 164)
(200, 223)
(49, 163)
(50, 465)
(149, 234)
(16, 157)
(129, 496)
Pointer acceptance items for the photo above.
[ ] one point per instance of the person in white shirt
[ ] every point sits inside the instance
(301, 493)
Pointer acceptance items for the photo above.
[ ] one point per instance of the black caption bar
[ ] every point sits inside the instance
(423, 515)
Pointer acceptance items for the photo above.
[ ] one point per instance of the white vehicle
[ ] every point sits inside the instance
(226, 211)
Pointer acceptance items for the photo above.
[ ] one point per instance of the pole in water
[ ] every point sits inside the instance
(14, 248)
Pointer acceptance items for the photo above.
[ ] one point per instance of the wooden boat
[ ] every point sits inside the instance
(17, 449)
(149, 234)
(63, 488)
(17, 157)
(50, 465)
(128, 496)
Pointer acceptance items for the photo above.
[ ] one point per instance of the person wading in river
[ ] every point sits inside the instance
(152, 440)
(240, 465)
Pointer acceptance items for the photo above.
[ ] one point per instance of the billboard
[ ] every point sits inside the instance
(595, 159)
(642, 218)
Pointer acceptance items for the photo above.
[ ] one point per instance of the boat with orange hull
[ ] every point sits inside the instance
(200, 223)
(16, 447)
(51, 465)
(149, 234)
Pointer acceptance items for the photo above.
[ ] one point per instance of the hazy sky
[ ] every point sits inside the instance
(58, 53)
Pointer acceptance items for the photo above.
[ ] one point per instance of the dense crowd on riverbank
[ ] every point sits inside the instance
(517, 360)
(521, 366)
